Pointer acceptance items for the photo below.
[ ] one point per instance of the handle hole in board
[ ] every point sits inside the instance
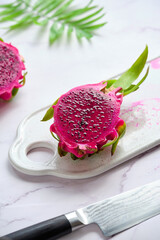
(40, 154)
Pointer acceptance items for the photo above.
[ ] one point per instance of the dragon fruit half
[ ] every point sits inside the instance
(11, 67)
(86, 118)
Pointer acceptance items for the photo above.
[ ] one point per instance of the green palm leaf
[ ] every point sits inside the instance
(60, 15)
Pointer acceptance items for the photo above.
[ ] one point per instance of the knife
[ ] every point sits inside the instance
(113, 215)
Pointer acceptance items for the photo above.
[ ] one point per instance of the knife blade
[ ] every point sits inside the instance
(112, 215)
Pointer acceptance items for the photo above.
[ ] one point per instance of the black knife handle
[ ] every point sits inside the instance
(47, 230)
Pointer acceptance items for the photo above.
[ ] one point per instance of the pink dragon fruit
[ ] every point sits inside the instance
(11, 67)
(86, 118)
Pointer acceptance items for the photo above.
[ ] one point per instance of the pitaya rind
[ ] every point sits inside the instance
(86, 118)
(11, 71)
(121, 129)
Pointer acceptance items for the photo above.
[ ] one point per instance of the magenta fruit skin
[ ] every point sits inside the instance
(11, 67)
(85, 118)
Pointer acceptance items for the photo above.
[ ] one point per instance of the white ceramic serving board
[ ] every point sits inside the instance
(143, 132)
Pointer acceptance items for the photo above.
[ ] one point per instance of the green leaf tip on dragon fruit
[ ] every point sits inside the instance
(86, 118)
(12, 67)
(125, 81)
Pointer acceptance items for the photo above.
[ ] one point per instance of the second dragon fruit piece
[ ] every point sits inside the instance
(11, 70)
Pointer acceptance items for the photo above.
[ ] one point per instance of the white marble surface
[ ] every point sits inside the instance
(26, 200)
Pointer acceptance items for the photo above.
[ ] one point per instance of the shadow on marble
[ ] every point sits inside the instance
(3, 107)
